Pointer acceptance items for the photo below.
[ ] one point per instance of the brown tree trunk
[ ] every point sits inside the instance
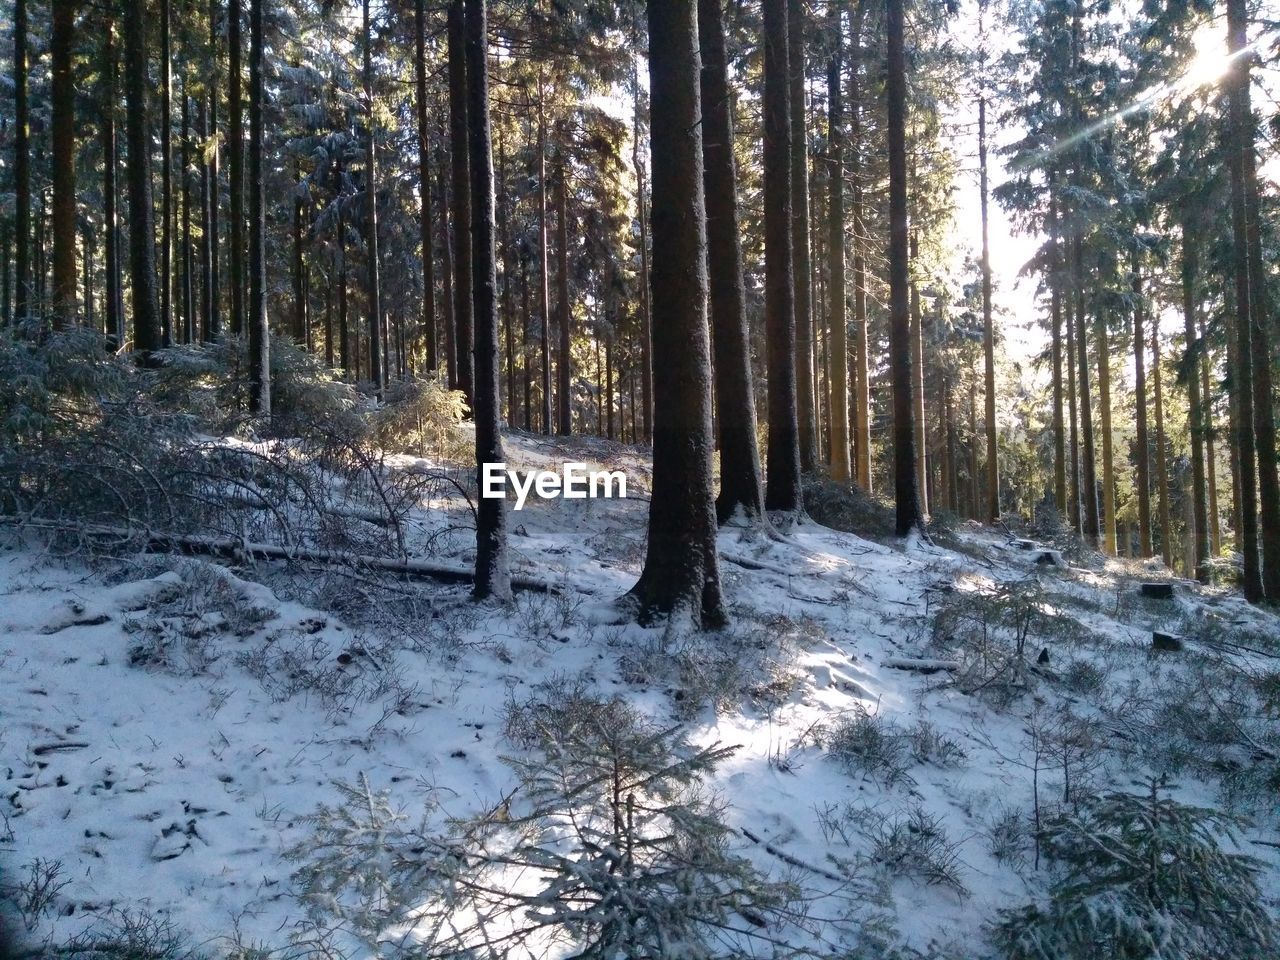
(256, 316)
(681, 578)
(1055, 313)
(544, 280)
(806, 395)
(22, 280)
(1211, 463)
(458, 80)
(1162, 454)
(861, 367)
(564, 359)
(1143, 482)
(1196, 403)
(740, 488)
(988, 331)
(424, 185)
(147, 333)
(235, 165)
(62, 49)
(377, 351)
(646, 324)
(113, 307)
(212, 295)
(166, 174)
(838, 384)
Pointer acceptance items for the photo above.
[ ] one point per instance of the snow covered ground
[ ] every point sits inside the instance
(166, 723)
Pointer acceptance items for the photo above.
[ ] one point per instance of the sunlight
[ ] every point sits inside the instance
(1210, 63)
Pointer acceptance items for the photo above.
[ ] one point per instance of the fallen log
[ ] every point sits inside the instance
(232, 549)
(921, 665)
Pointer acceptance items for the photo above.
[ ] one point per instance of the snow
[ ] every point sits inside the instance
(178, 785)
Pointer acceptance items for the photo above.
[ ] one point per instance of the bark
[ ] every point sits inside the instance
(862, 398)
(564, 361)
(459, 167)
(838, 384)
(504, 239)
(1104, 414)
(917, 382)
(62, 49)
(373, 280)
(235, 166)
(740, 488)
(806, 397)
(147, 333)
(906, 490)
(1196, 402)
(1162, 453)
(1210, 456)
(1055, 313)
(1140, 392)
(113, 307)
(446, 284)
(22, 280)
(493, 575)
(188, 283)
(646, 322)
(783, 490)
(526, 334)
(681, 578)
(212, 287)
(544, 292)
(988, 332)
(1075, 511)
(1088, 464)
(256, 314)
(166, 174)
(299, 284)
(424, 185)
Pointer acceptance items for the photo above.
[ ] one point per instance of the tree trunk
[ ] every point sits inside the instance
(906, 491)
(299, 296)
(1240, 141)
(1162, 454)
(62, 49)
(256, 316)
(564, 361)
(1140, 392)
(461, 200)
(1088, 463)
(646, 324)
(504, 237)
(1055, 312)
(446, 284)
(22, 280)
(1211, 464)
(544, 282)
(235, 165)
(988, 332)
(166, 174)
(147, 333)
(783, 490)
(210, 243)
(493, 576)
(377, 368)
(1104, 413)
(113, 312)
(838, 384)
(188, 283)
(734, 397)
(424, 185)
(917, 380)
(862, 397)
(681, 578)
(806, 397)
(526, 336)
(1196, 403)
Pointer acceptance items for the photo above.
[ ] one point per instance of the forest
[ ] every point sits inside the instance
(685, 479)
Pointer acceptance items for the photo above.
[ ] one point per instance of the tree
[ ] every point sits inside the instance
(21, 166)
(235, 165)
(377, 363)
(906, 491)
(681, 578)
(460, 171)
(806, 412)
(838, 380)
(147, 333)
(735, 400)
(424, 183)
(988, 327)
(64, 164)
(782, 487)
(259, 331)
(493, 578)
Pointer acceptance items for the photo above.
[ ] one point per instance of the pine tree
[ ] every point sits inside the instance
(64, 164)
(256, 316)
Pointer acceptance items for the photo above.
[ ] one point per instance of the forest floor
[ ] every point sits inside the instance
(167, 723)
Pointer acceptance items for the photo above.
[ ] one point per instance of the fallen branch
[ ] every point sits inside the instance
(234, 549)
(921, 666)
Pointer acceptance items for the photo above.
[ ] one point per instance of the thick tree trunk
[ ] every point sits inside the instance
(988, 332)
(806, 396)
(373, 282)
(22, 279)
(493, 576)
(1196, 402)
(424, 185)
(783, 491)
(564, 359)
(1245, 369)
(458, 80)
(256, 314)
(838, 384)
(740, 489)
(1143, 482)
(235, 166)
(62, 49)
(681, 578)
(147, 333)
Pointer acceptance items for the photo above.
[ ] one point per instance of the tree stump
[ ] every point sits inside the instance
(1167, 642)
(1157, 591)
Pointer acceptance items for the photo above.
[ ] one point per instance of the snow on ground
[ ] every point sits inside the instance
(165, 723)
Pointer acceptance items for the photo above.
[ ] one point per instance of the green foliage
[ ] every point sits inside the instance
(1142, 877)
(419, 416)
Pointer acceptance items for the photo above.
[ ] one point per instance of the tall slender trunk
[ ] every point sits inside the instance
(861, 367)
(1104, 416)
(147, 332)
(975, 484)
(838, 384)
(1140, 394)
(1240, 141)
(87, 247)
(446, 284)
(806, 397)
(988, 331)
(62, 49)
(526, 334)
(377, 351)
(22, 280)
(166, 173)
(740, 488)
(299, 295)
(1162, 451)
(235, 165)
(493, 577)
(504, 239)
(1055, 313)
(608, 384)
(256, 315)
(424, 184)
(188, 286)
(681, 577)
(459, 165)
(1088, 463)
(213, 288)
(1196, 402)
(113, 312)
(564, 362)
(783, 490)
(1075, 503)
(917, 376)
(1214, 523)
(646, 324)
(544, 293)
